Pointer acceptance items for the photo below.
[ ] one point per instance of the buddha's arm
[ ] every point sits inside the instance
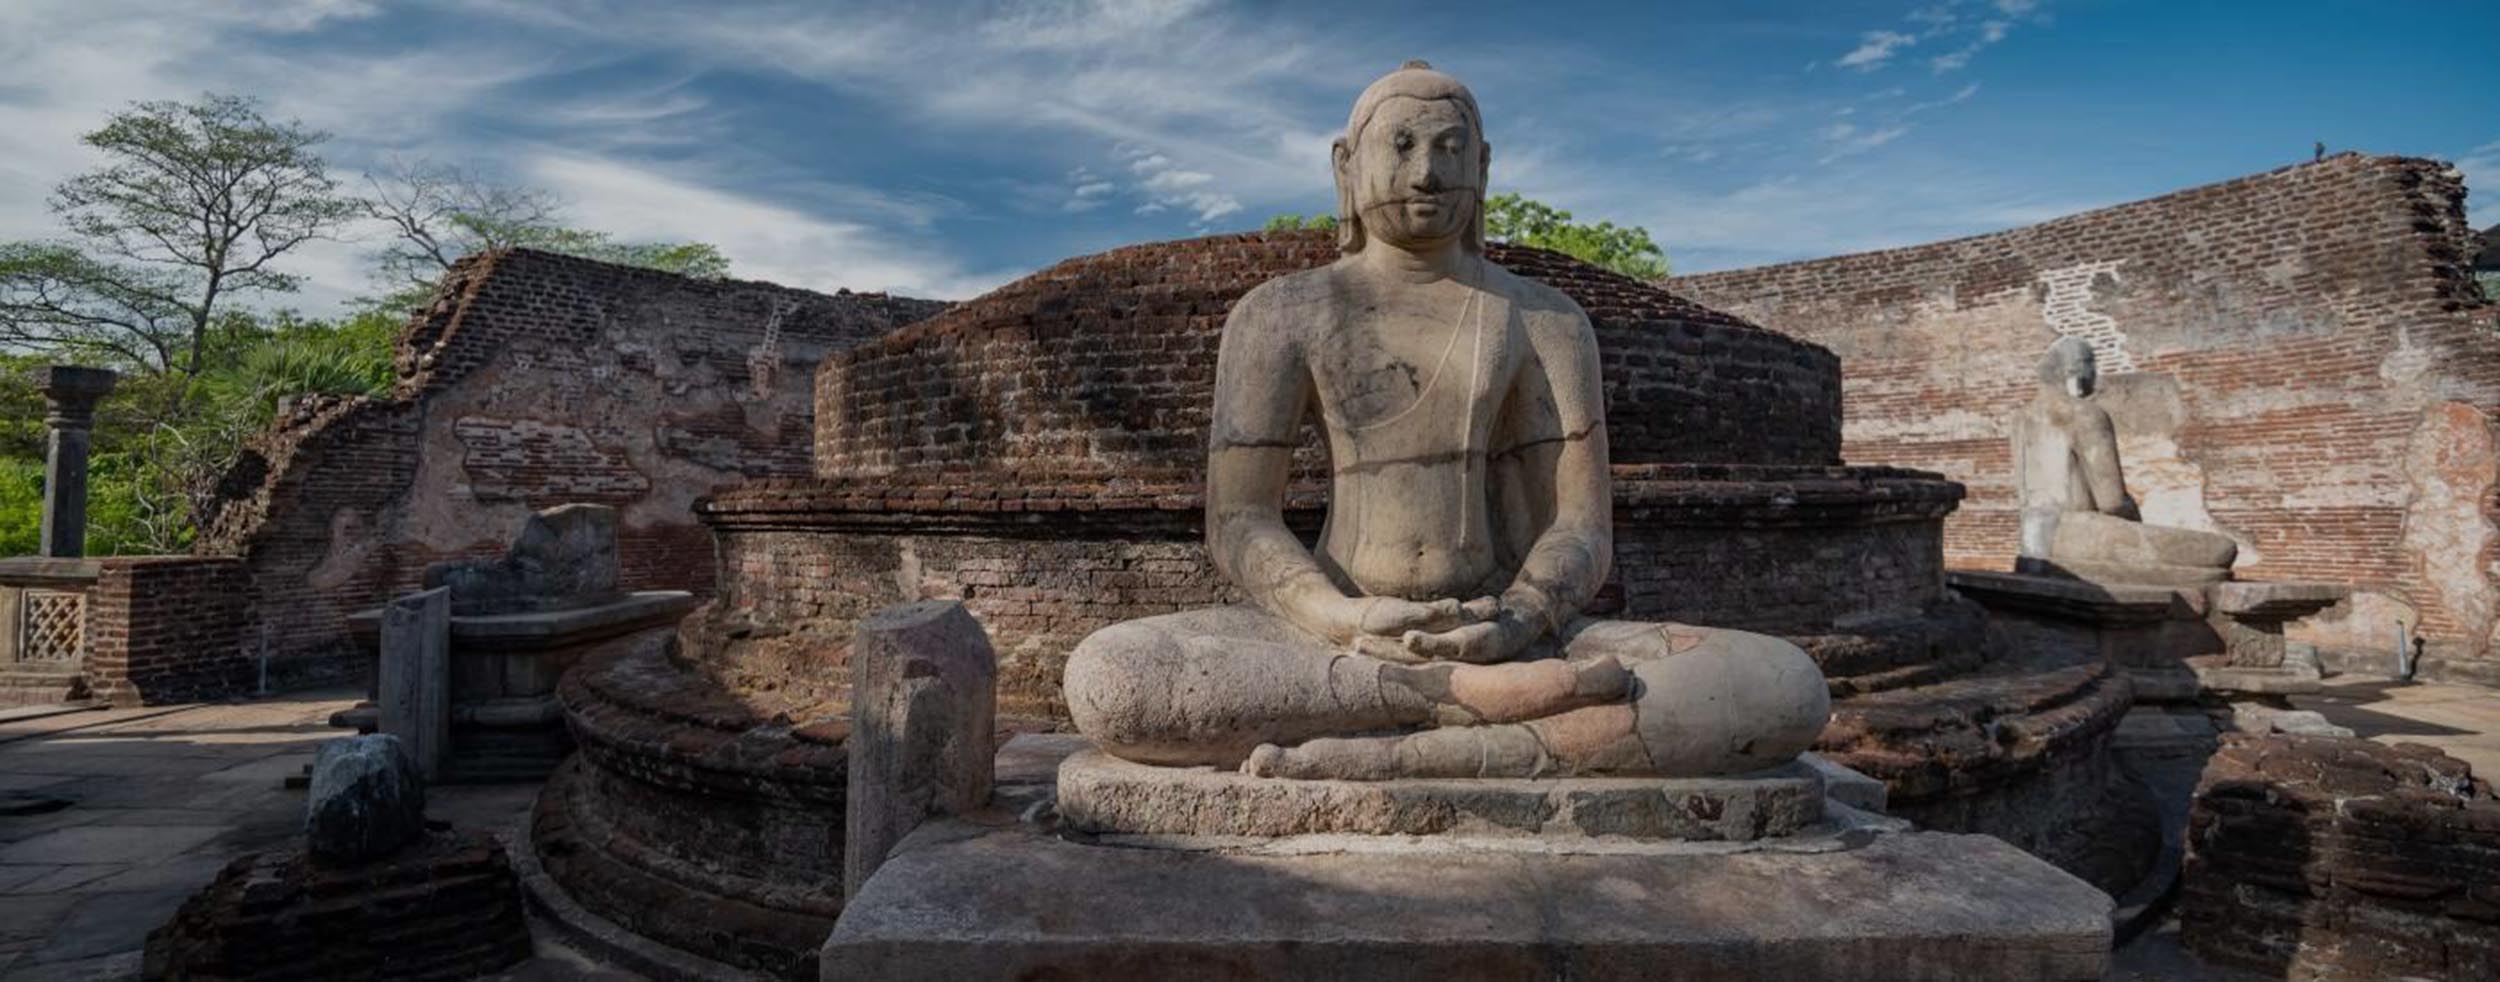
(2096, 448)
(1568, 563)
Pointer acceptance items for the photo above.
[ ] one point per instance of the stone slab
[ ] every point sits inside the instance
(553, 628)
(1102, 794)
(963, 901)
(2276, 601)
(2097, 602)
(1847, 786)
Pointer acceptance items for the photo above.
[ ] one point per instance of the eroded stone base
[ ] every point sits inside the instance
(1103, 794)
(965, 901)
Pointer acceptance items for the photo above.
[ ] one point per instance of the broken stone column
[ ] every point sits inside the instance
(415, 676)
(70, 392)
(924, 694)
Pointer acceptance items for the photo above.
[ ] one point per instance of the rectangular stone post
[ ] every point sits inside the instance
(415, 676)
(924, 696)
(71, 393)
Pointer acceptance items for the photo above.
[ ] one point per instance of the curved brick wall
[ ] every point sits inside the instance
(1105, 364)
(1827, 555)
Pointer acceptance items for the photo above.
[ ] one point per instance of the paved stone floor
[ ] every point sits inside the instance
(156, 800)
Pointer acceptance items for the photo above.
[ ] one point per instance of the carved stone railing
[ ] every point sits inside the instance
(43, 612)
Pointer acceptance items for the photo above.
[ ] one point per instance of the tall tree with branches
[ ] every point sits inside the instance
(196, 203)
(437, 213)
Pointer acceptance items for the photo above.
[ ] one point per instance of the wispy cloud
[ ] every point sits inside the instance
(1875, 49)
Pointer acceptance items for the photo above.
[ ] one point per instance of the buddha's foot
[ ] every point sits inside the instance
(1597, 739)
(1464, 695)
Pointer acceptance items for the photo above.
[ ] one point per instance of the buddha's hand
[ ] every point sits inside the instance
(1499, 635)
(1376, 626)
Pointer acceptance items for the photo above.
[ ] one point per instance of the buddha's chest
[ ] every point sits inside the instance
(1386, 370)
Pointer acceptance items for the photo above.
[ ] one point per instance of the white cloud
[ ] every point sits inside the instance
(1961, 95)
(1844, 139)
(2017, 8)
(763, 240)
(1874, 49)
(2481, 167)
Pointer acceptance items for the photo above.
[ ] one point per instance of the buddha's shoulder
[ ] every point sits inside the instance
(1538, 303)
(1320, 286)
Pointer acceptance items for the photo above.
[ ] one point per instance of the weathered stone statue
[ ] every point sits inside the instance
(1436, 631)
(2077, 517)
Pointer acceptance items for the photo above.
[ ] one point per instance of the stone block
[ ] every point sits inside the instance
(1100, 793)
(1845, 785)
(415, 683)
(924, 702)
(365, 802)
(965, 902)
(564, 557)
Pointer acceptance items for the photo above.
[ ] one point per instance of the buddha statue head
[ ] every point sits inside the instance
(2071, 367)
(1411, 166)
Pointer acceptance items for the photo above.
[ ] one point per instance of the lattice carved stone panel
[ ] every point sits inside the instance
(55, 627)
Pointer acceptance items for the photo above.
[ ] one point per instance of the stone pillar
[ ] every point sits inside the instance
(924, 696)
(71, 393)
(415, 676)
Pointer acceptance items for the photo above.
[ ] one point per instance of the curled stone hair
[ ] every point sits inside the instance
(1416, 79)
(2068, 358)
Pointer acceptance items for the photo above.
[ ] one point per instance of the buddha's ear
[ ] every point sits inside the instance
(1349, 221)
(1484, 182)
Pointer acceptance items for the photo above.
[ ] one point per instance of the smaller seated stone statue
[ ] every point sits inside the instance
(2077, 517)
(564, 558)
(1437, 629)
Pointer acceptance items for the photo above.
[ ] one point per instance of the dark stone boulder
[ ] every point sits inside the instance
(564, 558)
(366, 801)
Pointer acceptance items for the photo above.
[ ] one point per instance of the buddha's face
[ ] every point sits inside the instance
(1416, 172)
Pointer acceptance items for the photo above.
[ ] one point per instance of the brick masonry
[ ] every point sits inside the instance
(2329, 859)
(166, 629)
(532, 380)
(1106, 364)
(447, 907)
(2315, 375)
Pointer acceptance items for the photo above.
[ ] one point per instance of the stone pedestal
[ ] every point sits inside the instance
(969, 900)
(506, 723)
(1102, 794)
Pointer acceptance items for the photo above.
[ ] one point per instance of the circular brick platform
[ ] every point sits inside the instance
(1099, 793)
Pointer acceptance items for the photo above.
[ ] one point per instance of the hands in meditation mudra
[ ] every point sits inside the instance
(1437, 629)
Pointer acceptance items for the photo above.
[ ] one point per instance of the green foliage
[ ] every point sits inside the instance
(21, 505)
(1291, 222)
(1519, 221)
(1623, 249)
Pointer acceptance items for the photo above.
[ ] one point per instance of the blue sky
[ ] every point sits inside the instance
(941, 149)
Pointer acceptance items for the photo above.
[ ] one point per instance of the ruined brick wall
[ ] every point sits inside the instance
(532, 380)
(166, 629)
(2327, 858)
(1107, 363)
(2313, 373)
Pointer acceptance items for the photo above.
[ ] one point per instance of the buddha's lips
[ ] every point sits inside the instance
(1444, 198)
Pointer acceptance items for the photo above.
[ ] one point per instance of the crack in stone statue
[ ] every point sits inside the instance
(2077, 518)
(1436, 631)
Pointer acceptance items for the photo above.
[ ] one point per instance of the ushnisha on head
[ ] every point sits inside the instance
(1411, 166)
(2070, 366)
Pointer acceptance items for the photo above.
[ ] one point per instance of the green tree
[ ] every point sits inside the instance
(1518, 220)
(1624, 249)
(438, 213)
(196, 202)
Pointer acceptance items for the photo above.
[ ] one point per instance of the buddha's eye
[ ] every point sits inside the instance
(1404, 143)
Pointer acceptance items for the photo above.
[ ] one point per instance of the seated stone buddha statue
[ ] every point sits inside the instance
(1436, 630)
(2077, 517)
